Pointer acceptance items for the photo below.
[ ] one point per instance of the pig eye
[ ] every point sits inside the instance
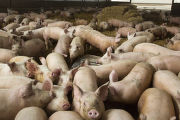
(77, 47)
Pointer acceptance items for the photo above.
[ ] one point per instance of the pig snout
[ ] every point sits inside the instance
(66, 106)
(93, 114)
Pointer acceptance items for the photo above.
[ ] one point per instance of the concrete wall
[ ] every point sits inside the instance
(4, 3)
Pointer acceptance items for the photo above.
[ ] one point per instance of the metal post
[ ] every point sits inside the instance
(130, 1)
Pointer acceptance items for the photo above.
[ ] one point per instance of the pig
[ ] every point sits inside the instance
(116, 114)
(23, 28)
(62, 115)
(174, 45)
(129, 45)
(172, 30)
(61, 24)
(41, 72)
(7, 40)
(22, 59)
(159, 32)
(34, 34)
(119, 23)
(10, 18)
(125, 30)
(10, 81)
(1, 22)
(160, 109)
(104, 25)
(137, 80)
(11, 11)
(174, 20)
(168, 62)
(25, 21)
(136, 56)
(56, 62)
(30, 48)
(3, 15)
(144, 26)
(6, 55)
(18, 19)
(154, 49)
(95, 38)
(17, 98)
(88, 98)
(81, 22)
(34, 16)
(169, 82)
(49, 13)
(149, 35)
(62, 47)
(11, 26)
(66, 14)
(60, 102)
(123, 67)
(17, 69)
(31, 113)
(48, 21)
(35, 25)
(55, 33)
(76, 48)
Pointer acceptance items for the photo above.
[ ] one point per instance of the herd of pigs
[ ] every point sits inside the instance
(137, 72)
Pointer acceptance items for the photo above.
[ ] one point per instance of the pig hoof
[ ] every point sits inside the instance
(66, 106)
(93, 114)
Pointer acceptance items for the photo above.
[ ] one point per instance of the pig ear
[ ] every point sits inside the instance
(171, 42)
(77, 91)
(43, 61)
(113, 77)
(142, 117)
(57, 72)
(26, 90)
(110, 49)
(47, 85)
(31, 67)
(118, 38)
(102, 91)
(73, 71)
(12, 66)
(131, 36)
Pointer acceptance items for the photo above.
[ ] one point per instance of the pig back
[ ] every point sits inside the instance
(86, 79)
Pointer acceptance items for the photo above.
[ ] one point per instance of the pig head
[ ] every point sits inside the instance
(90, 104)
